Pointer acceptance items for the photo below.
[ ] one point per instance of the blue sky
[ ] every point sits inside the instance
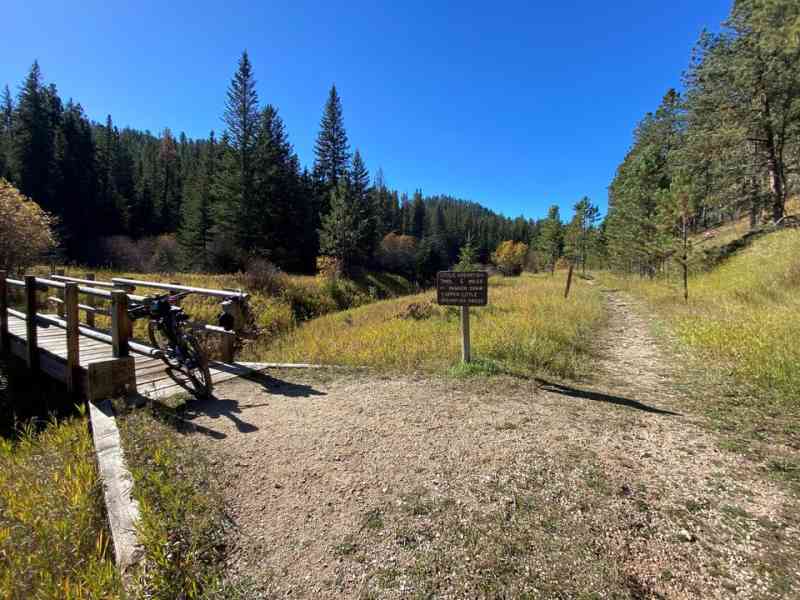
(514, 105)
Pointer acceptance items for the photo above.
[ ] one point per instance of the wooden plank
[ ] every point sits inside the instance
(110, 378)
(32, 356)
(52, 365)
(121, 508)
(180, 288)
(18, 348)
(90, 301)
(84, 307)
(60, 309)
(5, 341)
(88, 280)
(120, 324)
(73, 336)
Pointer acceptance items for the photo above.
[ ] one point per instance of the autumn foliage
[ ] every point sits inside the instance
(26, 231)
(510, 256)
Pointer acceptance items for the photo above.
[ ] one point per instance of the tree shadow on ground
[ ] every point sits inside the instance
(564, 390)
(182, 416)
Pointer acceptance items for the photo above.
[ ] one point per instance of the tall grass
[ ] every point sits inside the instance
(53, 538)
(743, 315)
(527, 327)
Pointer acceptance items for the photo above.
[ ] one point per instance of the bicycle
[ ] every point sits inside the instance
(178, 348)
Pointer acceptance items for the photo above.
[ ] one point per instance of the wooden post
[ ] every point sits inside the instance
(73, 342)
(30, 322)
(120, 324)
(5, 341)
(90, 301)
(569, 280)
(227, 345)
(465, 354)
(60, 294)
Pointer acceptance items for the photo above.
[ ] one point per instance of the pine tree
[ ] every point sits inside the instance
(195, 234)
(331, 150)
(578, 234)
(282, 215)
(467, 255)
(359, 177)
(344, 228)
(236, 176)
(33, 140)
(6, 124)
(550, 238)
(418, 216)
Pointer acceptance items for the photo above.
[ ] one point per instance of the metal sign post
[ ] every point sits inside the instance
(464, 289)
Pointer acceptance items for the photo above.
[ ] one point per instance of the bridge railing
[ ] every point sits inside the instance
(232, 302)
(102, 376)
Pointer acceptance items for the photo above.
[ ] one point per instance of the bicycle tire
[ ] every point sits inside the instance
(199, 373)
(160, 342)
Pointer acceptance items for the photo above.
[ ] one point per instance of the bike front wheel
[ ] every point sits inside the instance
(160, 341)
(196, 365)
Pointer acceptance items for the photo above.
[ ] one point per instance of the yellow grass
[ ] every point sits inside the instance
(53, 538)
(527, 327)
(743, 315)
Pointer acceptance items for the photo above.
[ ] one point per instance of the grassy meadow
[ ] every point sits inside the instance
(743, 315)
(527, 328)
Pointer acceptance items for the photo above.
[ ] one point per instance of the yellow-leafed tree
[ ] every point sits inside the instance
(510, 257)
(26, 231)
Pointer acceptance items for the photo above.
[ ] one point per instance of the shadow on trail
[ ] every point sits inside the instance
(600, 397)
(182, 417)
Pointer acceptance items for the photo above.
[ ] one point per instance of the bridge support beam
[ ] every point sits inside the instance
(5, 340)
(32, 346)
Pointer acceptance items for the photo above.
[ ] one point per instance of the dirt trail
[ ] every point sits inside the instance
(344, 485)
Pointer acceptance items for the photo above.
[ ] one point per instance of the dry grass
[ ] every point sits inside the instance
(53, 537)
(527, 327)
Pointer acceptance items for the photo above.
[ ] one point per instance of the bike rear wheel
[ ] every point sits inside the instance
(196, 366)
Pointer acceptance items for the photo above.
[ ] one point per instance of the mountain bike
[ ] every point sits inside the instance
(177, 347)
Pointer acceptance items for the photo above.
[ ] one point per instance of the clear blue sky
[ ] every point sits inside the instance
(514, 105)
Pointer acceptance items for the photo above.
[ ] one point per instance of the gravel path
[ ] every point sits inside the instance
(329, 474)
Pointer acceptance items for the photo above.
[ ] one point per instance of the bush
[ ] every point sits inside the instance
(510, 257)
(264, 277)
(329, 267)
(26, 231)
(397, 254)
(145, 255)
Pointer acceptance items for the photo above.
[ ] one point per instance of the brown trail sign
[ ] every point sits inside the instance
(464, 289)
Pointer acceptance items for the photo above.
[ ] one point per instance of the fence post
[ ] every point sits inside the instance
(60, 294)
(227, 347)
(5, 342)
(30, 322)
(120, 324)
(90, 301)
(73, 342)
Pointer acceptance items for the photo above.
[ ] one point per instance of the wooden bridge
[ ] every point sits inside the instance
(95, 363)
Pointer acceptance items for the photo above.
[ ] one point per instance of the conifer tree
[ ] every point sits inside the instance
(418, 216)
(32, 149)
(550, 238)
(195, 234)
(331, 150)
(235, 177)
(344, 228)
(6, 116)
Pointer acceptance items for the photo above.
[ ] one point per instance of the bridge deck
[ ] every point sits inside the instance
(153, 378)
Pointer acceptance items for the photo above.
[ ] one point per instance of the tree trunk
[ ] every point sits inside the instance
(774, 167)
